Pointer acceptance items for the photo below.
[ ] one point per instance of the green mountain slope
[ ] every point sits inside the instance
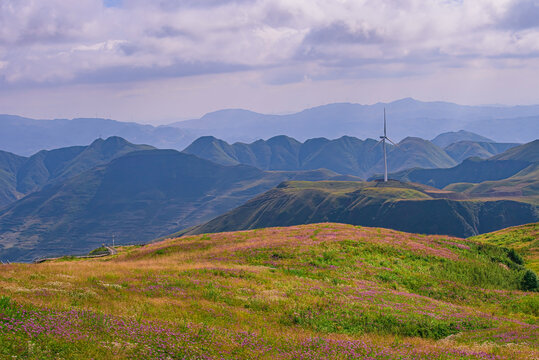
(472, 170)
(9, 166)
(526, 152)
(524, 183)
(475, 170)
(395, 205)
(415, 152)
(346, 155)
(56, 165)
(448, 138)
(138, 197)
(463, 150)
(321, 291)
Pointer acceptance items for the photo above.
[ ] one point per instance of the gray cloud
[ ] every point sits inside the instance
(91, 41)
(522, 15)
(119, 74)
(341, 33)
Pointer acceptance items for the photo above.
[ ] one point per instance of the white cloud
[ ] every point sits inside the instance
(53, 42)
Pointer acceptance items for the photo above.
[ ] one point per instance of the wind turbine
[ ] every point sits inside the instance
(383, 141)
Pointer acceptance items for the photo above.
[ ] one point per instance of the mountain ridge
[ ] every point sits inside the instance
(395, 205)
(138, 196)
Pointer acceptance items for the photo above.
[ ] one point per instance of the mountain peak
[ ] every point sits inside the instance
(445, 139)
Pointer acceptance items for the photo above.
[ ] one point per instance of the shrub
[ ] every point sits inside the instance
(529, 281)
(515, 257)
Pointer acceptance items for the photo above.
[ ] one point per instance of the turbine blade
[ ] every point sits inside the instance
(391, 141)
(378, 143)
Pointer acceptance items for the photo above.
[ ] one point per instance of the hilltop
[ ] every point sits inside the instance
(324, 291)
(396, 205)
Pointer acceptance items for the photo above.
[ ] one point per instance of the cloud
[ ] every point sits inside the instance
(80, 41)
(521, 15)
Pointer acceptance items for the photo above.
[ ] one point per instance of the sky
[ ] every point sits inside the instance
(166, 60)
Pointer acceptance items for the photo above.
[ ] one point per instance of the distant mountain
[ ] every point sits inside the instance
(346, 155)
(137, 197)
(406, 117)
(475, 170)
(524, 183)
(526, 152)
(9, 166)
(451, 137)
(393, 205)
(415, 152)
(472, 170)
(26, 136)
(462, 150)
(60, 164)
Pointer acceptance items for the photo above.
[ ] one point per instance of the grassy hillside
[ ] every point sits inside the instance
(324, 291)
(401, 206)
(524, 239)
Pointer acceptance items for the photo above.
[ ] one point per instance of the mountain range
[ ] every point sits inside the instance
(523, 158)
(73, 199)
(345, 155)
(136, 197)
(21, 176)
(24, 136)
(406, 117)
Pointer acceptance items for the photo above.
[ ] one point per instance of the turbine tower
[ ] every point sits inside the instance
(383, 141)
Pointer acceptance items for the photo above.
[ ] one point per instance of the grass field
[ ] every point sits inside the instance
(322, 291)
(524, 239)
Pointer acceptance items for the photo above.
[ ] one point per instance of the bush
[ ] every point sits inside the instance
(529, 281)
(515, 257)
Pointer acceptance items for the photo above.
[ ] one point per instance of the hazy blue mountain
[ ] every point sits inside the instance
(475, 170)
(25, 136)
(415, 152)
(525, 183)
(346, 155)
(406, 117)
(137, 197)
(394, 205)
(448, 138)
(59, 164)
(462, 150)
(526, 152)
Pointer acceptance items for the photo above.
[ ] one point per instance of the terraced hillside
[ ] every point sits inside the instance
(323, 291)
